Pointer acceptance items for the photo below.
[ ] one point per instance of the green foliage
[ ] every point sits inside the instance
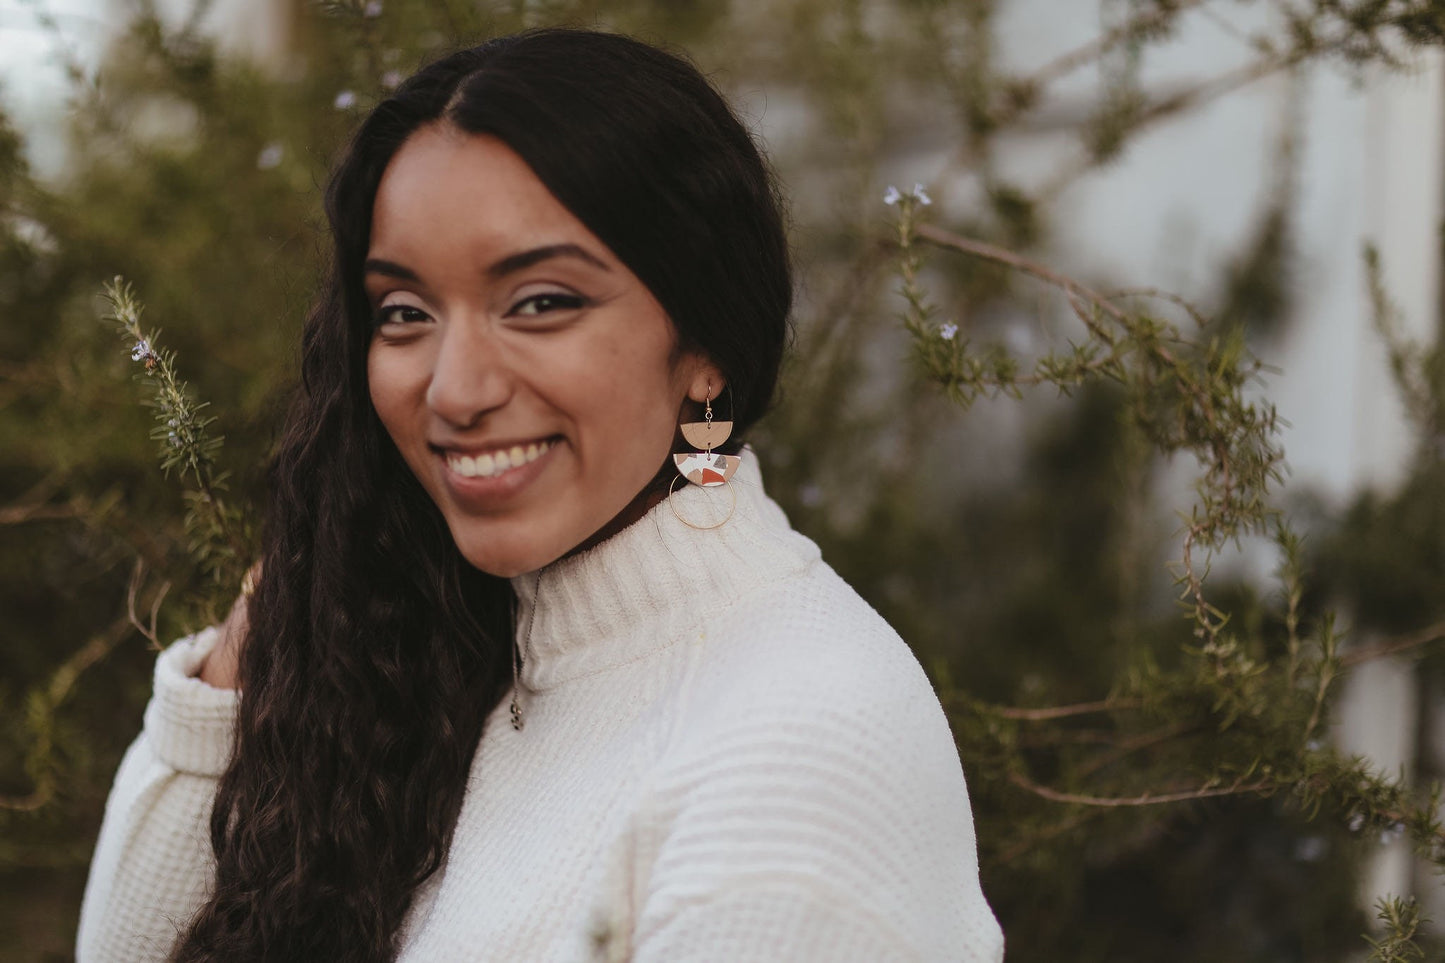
(221, 539)
(1240, 712)
(1385, 562)
(1401, 920)
(1144, 746)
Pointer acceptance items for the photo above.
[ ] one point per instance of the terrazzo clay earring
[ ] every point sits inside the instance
(705, 468)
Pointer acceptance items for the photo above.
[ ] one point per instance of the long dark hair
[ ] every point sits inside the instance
(375, 651)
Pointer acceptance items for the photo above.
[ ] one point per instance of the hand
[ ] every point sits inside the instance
(221, 666)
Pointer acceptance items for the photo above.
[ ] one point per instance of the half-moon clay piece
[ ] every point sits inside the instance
(707, 468)
(706, 434)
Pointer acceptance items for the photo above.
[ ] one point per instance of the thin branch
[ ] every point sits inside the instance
(1196, 96)
(34, 504)
(1147, 799)
(1169, 106)
(1088, 53)
(1222, 22)
(1195, 314)
(1074, 289)
(1395, 646)
(20, 514)
(1060, 712)
(1322, 689)
(1206, 626)
(1126, 747)
(137, 576)
(1018, 262)
(1052, 737)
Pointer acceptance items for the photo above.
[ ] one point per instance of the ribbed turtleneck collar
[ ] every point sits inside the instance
(641, 589)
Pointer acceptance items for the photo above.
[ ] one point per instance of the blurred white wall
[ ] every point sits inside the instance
(36, 55)
(33, 60)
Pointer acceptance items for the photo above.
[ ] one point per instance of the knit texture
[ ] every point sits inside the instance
(727, 756)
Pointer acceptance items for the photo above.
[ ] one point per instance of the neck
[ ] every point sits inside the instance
(653, 582)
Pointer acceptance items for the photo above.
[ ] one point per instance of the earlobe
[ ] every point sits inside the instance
(707, 383)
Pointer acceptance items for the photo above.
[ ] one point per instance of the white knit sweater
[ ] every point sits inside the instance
(727, 756)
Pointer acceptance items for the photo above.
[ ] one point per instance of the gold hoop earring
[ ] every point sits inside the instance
(702, 528)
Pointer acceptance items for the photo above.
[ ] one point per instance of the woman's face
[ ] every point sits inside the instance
(527, 377)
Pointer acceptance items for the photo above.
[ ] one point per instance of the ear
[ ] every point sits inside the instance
(705, 379)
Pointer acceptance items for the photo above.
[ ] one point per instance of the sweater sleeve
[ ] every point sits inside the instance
(820, 819)
(152, 864)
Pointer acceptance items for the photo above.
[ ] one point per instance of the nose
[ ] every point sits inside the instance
(470, 376)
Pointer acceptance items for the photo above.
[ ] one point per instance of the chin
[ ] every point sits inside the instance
(493, 555)
(502, 569)
(524, 542)
(501, 565)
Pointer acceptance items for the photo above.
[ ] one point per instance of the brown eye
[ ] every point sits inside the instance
(543, 303)
(398, 314)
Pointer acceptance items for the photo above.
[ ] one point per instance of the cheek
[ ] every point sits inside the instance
(647, 398)
(376, 385)
(620, 383)
(387, 380)
(647, 374)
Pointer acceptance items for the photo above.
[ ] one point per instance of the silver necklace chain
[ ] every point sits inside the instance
(517, 658)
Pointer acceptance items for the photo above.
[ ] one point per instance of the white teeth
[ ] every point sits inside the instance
(495, 463)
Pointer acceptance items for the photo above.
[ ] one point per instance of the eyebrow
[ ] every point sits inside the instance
(507, 265)
(375, 265)
(525, 259)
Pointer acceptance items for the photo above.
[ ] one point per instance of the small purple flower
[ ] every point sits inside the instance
(892, 196)
(373, 9)
(270, 157)
(391, 79)
(921, 196)
(142, 351)
(948, 331)
(345, 100)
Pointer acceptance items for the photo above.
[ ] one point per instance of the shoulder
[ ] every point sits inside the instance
(810, 644)
(812, 747)
(806, 697)
(805, 692)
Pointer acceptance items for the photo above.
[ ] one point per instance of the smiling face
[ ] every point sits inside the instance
(528, 378)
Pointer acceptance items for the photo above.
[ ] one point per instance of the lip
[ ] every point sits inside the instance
(487, 494)
(490, 447)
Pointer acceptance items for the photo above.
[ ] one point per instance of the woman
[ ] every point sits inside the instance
(505, 697)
